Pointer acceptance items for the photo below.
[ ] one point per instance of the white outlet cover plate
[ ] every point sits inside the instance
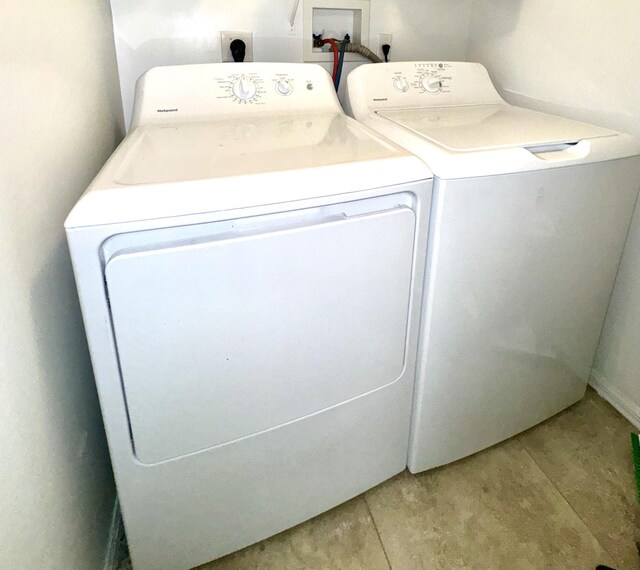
(225, 44)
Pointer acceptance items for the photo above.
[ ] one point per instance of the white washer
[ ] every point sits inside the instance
(249, 264)
(530, 214)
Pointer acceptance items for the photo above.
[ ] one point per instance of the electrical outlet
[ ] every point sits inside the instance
(225, 44)
(383, 39)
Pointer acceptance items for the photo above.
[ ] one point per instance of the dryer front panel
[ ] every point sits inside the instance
(258, 323)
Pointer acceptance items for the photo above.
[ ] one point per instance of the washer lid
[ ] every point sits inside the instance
(490, 127)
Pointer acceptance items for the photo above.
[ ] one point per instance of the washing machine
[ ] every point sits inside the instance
(529, 217)
(249, 264)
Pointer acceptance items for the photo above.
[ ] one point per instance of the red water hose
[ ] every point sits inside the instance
(334, 47)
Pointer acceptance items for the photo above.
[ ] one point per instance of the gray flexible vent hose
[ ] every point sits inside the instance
(362, 50)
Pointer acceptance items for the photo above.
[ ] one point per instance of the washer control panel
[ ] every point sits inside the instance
(432, 82)
(400, 84)
(419, 84)
(430, 78)
(187, 92)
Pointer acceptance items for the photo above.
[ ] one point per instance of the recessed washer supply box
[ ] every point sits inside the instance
(337, 16)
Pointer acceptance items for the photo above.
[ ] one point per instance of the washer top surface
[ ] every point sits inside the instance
(451, 115)
(485, 127)
(217, 137)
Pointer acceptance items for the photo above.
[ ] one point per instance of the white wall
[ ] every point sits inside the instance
(581, 59)
(156, 32)
(616, 371)
(60, 118)
(577, 57)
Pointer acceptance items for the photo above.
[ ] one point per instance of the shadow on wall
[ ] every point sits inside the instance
(82, 468)
(509, 11)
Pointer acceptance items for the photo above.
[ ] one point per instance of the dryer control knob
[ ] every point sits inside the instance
(244, 89)
(401, 84)
(431, 84)
(283, 87)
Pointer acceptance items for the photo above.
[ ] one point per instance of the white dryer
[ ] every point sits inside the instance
(530, 214)
(249, 264)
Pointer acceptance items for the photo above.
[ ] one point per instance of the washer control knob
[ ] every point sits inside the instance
(284, 87)
(401, 84)
(431, 84)
(244, 89)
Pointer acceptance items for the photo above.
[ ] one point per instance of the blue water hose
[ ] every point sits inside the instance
(343, 46)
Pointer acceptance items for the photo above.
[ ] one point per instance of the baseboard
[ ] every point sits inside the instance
(616, 398)
(115, 537)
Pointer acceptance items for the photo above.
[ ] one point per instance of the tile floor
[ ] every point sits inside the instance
(559, 497)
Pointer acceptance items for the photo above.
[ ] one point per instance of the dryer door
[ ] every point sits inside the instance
(244, 329)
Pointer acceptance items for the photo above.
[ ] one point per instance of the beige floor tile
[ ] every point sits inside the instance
(344, 538)
(586, 452)
(493, 511)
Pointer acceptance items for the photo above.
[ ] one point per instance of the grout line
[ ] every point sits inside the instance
(375, 526)
(553, 483)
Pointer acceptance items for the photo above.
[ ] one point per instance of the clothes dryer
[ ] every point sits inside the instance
(249, 264)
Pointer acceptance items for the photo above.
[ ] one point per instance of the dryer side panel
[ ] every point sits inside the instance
(228, 337)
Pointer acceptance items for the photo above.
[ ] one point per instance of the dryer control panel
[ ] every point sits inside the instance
(419, 84)
(251, 88)
(199, 92)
